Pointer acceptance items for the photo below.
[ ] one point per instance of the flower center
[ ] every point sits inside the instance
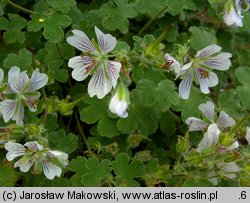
(204, 74)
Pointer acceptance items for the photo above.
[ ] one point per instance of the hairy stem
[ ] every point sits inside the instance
(151, 21)
(20, 7)
(235, 128)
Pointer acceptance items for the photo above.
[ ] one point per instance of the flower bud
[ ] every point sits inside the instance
(182, 145)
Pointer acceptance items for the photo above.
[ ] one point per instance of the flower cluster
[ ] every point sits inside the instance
(21, 90)
(34, 154)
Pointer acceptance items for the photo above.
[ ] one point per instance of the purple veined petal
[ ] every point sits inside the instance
(31, 100)
(219, 62)
(8, 108)
(24, 164)
(225, 120)
(14, 150)
(37, 81)
(1, 76)
(50, 170)
(106, 41)
(80, 41)
(19, 83)
(34, 146)
(82, 67)
(208, 51)
(19, 114)
(248, 135)
(99, 85)
(206, 79)
(208, 110)
(184, 69)
(185, 85)
(113, 70)
(196, 124)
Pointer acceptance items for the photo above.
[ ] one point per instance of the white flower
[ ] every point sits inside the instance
(119, 102)
(205, 60)
(171, 63)
(32, 153)
(232, 13)
(248, 135)
(25, 91)
(207, 109)
(1, 76)
(210, 138)
(94, 61)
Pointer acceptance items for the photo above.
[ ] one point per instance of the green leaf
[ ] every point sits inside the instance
(13, 28)
(117, 15)
(149, 8)
(201, 37)
(59, 141)
(95, 172)
(126, 171)
(145, 92)
(107, 127)
(197, 183)
(77, 165)
(177, 7)
(52, 25)
(96, 110)
(63, 6)
(8, 176)
(22, 60)
(166, 95)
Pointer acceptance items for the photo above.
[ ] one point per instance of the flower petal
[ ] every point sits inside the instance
(106, 41)
(30, 99)
(229, 168)
(225, 120)
(18, 84)
(113, 70)
(80, 41)
(37, 81)
(219, 62)
(248, 135)
(24, 164)
(184, 69)
(13, 73)
(118, 107)
(19, 114)
(8, 108)
(61, 156)
(208, 110)
(185, 85)
(235, 145)
(210, 138)
(14, 150)
(50, 170)
(208, 51)
(99, 85)
(210, 80)
(211, 173)
(82, 66)
(34, 146)
(172, 63)
(196, 124)
(231, 16)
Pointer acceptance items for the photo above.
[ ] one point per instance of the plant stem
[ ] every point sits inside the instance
(20, 7)
(150, 22)
(82, 133)
(238, 124)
